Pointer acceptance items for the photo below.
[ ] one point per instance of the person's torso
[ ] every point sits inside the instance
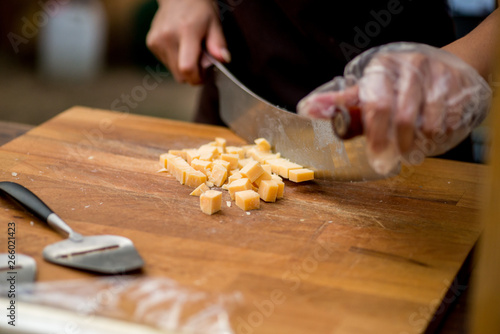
(283, 49)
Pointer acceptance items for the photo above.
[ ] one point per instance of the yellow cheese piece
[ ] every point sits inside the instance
(236, 150)
(281, 185)
(221, 142)
(281, 189)
(180, 167)
(191, 154)
(234, 177)
(200, 190)
(223, 163)
(164, 159)
(234, 171)
(247, 200)
(232, 159)
(243, 162)
(252, 170)
(268, 190)
(218, 175)
(262, 157)
(262, 145)
(264, 176)
(201, 165)
(208, 154)
(179, 153)
(239, 185)
(194, 178)
(282, 166)
(267, 168)
(211, 201)
(300, 175)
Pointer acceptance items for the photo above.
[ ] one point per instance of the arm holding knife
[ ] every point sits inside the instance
(407, 96)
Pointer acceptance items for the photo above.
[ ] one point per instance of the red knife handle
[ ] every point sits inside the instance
(346, 122)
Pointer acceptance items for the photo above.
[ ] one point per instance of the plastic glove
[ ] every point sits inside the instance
(178, 32)
(416, 101)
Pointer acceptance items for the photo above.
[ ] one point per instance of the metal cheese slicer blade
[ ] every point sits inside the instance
(106, 254)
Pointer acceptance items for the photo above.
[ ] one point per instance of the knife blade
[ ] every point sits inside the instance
(309, 142)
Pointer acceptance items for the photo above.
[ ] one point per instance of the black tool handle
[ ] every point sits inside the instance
(26, 198)
(347, 122)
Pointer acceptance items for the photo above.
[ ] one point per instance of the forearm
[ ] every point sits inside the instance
(478, 47)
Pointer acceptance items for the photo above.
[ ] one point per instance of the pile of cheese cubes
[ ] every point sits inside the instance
(249, 173)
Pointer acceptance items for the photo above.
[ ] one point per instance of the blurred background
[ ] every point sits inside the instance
(55, 54)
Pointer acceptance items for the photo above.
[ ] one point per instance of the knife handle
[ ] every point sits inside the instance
(27, 199)
(347, 122)
(36, 206)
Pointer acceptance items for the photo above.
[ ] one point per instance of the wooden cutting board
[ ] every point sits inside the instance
(330, 257)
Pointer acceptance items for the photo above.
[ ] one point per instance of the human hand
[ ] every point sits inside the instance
(415, 100)
(177, 35)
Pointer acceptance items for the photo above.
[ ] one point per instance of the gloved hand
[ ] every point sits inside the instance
(416, 100)
(178, 32)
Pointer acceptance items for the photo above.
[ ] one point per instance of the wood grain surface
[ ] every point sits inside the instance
(330, 257)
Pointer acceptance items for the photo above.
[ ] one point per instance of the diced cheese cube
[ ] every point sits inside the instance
(221, 142)
(264, 176)
(239, 185)
(234, 177)
(282, 166)
(200, 190)
(191, 154)
(252, 170)
(194, 178)
(180, 167)
(246, 148)
(236, 150)
(281, 188)
(218, 175)
(262, 144)
(223, 163)
(300, 175)
(164, 159)
(247, 200)
(201, 165)
(267, 168)
(243, 162)
(276, 177)
(268, 190)
(232, 159)
(208, 154)
(211, 201)
(262, 157)
(179, 153)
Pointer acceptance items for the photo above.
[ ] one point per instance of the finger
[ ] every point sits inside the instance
(216, 43)
(434, 110)
(322, 105)
(189, 56)
(456, 100)
(409, 103)
(378, 101)
(377, 97)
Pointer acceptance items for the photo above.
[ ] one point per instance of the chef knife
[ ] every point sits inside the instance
(312, 143)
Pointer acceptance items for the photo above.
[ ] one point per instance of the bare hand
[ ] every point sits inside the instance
(178, 32)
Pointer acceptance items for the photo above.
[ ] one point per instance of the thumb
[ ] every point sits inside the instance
(216, 43)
